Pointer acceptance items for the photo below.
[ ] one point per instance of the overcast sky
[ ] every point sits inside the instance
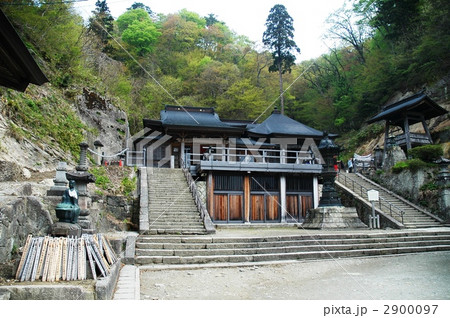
(246, 17)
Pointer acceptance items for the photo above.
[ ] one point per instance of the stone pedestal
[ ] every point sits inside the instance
(66, 229)
(333, 217)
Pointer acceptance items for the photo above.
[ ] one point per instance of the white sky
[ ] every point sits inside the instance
(246, 17)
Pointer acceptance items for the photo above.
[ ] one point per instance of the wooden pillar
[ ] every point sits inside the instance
(407, 136)
(247, 198)
(283, 198)
(425, 127)
(386, 137)
(210, 195)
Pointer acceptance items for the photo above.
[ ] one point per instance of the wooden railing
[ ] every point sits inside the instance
(361, 190)
(198, 199)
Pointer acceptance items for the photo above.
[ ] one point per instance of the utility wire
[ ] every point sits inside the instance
(40, 3)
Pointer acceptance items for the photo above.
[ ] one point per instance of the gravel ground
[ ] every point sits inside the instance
(406, 277)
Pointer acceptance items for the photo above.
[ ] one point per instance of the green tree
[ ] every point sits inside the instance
(140, 5)
(279, 38)
(395, 19)
(241, 101)
(211, 19)
(138, 30)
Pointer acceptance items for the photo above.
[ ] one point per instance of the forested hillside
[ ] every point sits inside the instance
(144, 59)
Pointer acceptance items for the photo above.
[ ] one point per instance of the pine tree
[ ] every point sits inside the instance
(279, 38)
(101, 23)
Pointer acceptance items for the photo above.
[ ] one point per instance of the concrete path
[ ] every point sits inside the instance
(128, 286)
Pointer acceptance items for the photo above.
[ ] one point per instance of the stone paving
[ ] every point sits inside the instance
(422, 276)
(128, 285)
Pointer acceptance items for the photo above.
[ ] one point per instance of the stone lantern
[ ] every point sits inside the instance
(82, 177)
(378, 160)
(330, 214)
(329, 151)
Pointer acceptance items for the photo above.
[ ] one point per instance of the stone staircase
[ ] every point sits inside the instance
(165, 250)
(413, 216)
(171, 208)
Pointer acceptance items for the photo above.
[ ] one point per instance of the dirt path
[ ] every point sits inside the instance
(407, 277)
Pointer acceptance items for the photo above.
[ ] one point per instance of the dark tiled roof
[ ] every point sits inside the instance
(194, 120)
(279, 125)
(17, 66)
(417, 103)
(192, 117)
(198, 120)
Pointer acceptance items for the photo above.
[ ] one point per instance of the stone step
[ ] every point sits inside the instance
(183, 188)
(177, 215)
(176, 221)
(281, 249)
(175, 212)
(377, 236)
(172, 207)
(176, 232)
(423, 225)
(321, 254)
(176, 226)
(172, 210)
(237, 243)
(412, 218)
(174, 218)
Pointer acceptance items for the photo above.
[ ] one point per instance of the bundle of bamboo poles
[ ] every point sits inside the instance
(65, 258)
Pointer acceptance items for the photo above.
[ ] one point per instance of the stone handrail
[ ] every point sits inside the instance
(209, 225)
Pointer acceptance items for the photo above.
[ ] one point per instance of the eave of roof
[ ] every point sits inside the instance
(419, 103)
(192, 120)
(17, 66)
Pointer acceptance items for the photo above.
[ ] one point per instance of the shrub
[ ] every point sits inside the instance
(428, 153)
(412, 165)
(399, 167)
(101, 179)
(128, 185)
(429, 186)
(416, 164)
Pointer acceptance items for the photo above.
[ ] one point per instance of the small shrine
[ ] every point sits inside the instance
(401, 115)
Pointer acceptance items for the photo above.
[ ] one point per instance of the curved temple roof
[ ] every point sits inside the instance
(418, 103)
(278, 125)
(202, 119)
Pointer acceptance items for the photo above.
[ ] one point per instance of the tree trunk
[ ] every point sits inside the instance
(281, 89)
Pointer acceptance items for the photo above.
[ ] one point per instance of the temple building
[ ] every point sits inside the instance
(265, 172)
(400, 116)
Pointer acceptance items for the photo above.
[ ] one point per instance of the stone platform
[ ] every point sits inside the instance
(333, 217)
(66, 229)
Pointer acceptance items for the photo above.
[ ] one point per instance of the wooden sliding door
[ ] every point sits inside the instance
(228, 203)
